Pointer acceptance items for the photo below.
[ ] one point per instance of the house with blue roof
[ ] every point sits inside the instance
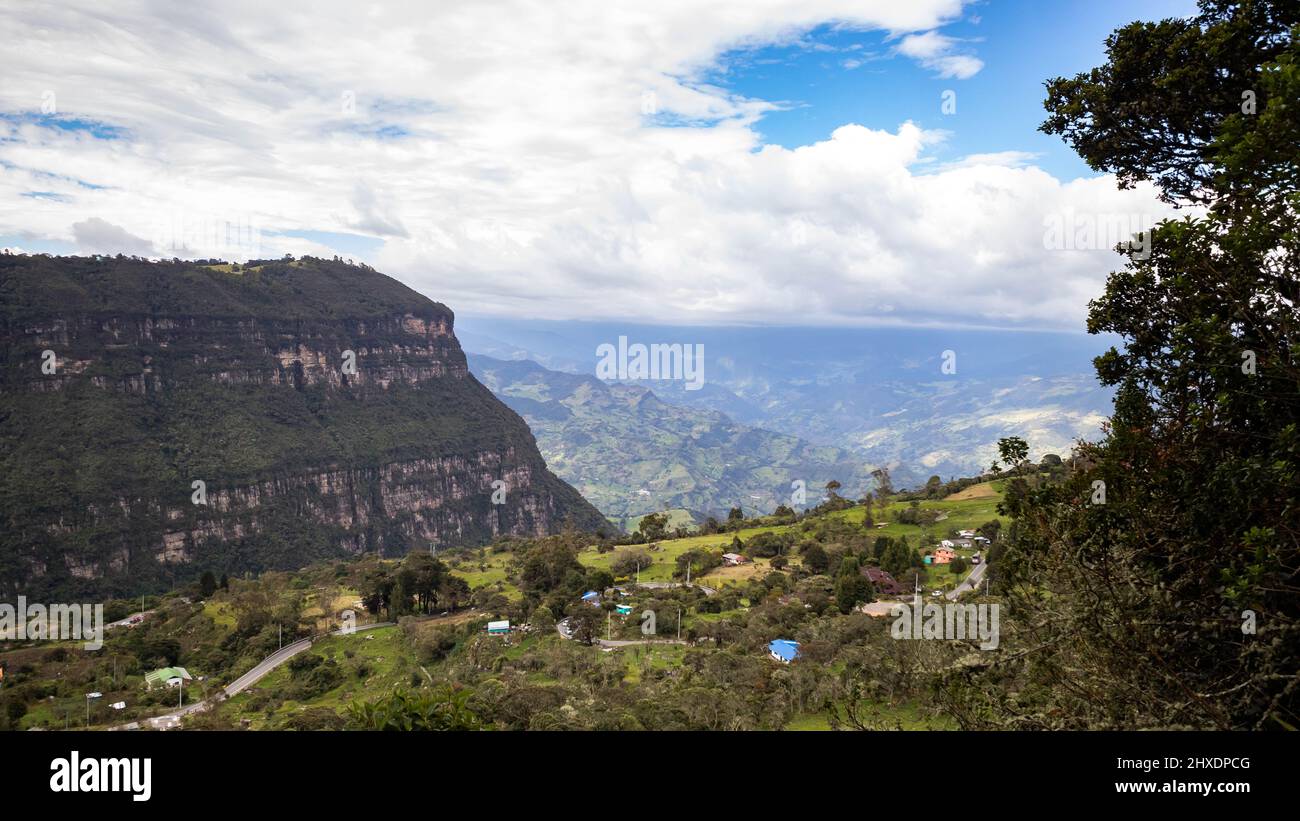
(591, 597)
(783, 650)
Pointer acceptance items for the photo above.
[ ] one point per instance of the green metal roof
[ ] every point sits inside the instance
(164, 674)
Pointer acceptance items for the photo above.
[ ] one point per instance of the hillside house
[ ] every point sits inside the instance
(499, 628)
(591, 597)
(882, 581)
(783, 650)
(734, 559)
(171, 676)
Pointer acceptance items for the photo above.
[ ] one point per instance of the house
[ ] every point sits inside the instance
(783, 650)
(944, 555)
(966, 534)
(499, 628)
(591, 597)
(171, 676)
(964, 544)
(947, 543)
(623, 609)
(980, 540)
(733, 559)
(882, 581)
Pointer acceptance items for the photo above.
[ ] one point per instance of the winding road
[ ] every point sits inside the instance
(172, 720)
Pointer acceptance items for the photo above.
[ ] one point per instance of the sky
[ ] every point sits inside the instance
(810, 162)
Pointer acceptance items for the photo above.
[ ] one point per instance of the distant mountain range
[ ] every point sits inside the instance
(875, 396)
(630, 453)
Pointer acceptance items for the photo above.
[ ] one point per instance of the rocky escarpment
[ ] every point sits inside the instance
(160, 419)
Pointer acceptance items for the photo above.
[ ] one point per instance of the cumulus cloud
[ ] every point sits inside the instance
(558, 160)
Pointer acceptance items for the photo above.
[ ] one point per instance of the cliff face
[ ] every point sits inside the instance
(163, 419)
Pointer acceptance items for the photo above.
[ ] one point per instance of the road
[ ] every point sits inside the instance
(172, 720)
(970, 583)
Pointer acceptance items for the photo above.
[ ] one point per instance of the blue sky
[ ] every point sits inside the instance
(1022, 43)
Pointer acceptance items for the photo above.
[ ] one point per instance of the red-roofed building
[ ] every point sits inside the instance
(882, 581)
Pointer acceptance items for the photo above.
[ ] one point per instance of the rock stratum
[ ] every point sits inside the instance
(162, 419)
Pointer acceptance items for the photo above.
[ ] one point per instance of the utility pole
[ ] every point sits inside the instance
(679, 624)
(609, 625)
(281, 626)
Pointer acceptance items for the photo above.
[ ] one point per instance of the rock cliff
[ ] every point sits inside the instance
(160, 419)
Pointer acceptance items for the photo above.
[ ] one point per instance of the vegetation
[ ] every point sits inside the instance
(1156, 585)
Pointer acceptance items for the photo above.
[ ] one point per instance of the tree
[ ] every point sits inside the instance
(1196, 528)
(207, 584)
(628, 561)
(584, 621)
(814, 558)
(398, 600)
(933, 487)
(1014, 452)
(542, 621)
(653, 526)
(851, 587)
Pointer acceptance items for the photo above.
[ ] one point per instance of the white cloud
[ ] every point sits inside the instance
(936, 51)
(503, 155)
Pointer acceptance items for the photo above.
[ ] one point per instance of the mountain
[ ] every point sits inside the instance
(631, 453)
(160, 419)
(880, 393)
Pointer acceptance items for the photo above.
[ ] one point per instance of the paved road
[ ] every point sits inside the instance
(172, 720)
(970, 583)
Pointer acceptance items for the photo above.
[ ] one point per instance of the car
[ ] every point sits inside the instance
(975, 559)
(936, 592)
